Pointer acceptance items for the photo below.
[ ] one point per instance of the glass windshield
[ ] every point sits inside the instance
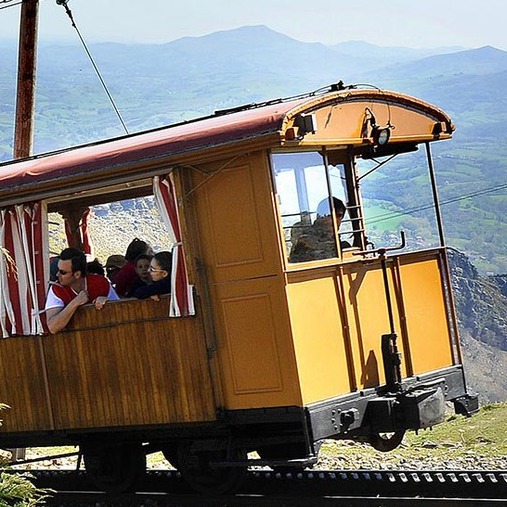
(307, 190)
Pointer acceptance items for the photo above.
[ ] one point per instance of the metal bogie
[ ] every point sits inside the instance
(420, 403)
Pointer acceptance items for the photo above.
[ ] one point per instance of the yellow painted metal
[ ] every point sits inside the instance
(345, 119)
(321, 354)
(427, 324)
(240, 247)
(338, 315)
(255, 349)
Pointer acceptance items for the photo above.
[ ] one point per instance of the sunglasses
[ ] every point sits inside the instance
(156, 270)
(63, 272)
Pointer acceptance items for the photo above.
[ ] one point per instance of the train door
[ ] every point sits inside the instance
(239, 250)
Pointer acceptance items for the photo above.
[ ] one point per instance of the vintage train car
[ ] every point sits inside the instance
(256, 348)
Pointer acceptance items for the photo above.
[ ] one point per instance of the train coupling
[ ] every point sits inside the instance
(415, 409)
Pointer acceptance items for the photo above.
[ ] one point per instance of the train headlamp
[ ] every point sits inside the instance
(380, 135)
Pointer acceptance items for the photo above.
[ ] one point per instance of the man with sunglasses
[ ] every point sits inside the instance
(74, 288)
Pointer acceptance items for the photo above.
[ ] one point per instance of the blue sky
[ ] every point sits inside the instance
(428, 23)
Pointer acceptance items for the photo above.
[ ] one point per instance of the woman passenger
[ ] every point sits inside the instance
(160, 273)
(127, 274)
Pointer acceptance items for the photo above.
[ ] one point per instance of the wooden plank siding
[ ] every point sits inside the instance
(129, 364)
(23, 386)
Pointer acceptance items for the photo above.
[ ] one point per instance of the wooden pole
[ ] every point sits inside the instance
(25, 99)
(27, 63)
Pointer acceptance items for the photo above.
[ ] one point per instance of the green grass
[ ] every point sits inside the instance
(481, 437)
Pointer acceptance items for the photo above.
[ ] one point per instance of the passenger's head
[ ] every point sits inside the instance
(160, 265)
(95, 267)
(71, 266)
(142, 264)
(339, 208)
(113, 264)
(137, 247)
(324, 218)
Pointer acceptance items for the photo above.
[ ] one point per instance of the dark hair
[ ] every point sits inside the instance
(323, 207)
(165, 260)
(77, 257)
(95, 267)
(146, 257)
(136, 247)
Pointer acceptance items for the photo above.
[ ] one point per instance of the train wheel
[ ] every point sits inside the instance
(386, 442)
(115, 468)
(196, 470)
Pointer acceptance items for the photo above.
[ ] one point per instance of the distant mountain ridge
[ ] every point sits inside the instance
(398, 53)
(155, 85)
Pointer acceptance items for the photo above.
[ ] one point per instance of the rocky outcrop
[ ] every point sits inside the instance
(501, 281)
(481, 307)
(481, 301)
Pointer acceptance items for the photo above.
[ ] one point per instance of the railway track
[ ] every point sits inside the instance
(312, 488)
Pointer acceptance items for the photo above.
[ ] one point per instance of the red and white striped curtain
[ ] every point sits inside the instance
(23, 236)
(182, 302)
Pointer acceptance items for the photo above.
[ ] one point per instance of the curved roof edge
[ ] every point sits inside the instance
(167, 143)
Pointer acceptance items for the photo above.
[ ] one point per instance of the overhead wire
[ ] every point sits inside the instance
(394, 214)
(9, 4)
(97, 71)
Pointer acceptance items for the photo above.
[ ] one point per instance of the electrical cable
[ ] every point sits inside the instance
(394, 214)
(8, 4)
(69, 13)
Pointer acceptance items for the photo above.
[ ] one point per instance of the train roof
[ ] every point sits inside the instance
(270, 124)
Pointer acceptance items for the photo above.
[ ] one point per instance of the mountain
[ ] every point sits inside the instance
(388, 55)
(481, 61)
(160, 84)
(481, 307)
(155, 85)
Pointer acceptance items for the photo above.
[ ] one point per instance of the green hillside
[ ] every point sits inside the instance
(155, 85)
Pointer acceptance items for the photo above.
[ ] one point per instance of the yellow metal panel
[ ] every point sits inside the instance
(428, 331)
(346, 120)
(235, 215)
(368, 319)
(254, 345)
(246, 341)
(339, 314)
(419, 314)
(318, 336)
(239, 246)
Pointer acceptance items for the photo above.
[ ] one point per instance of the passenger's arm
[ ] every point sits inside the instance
(58, 318)
(100, 301)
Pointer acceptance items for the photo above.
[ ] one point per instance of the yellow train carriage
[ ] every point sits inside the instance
(281, 351)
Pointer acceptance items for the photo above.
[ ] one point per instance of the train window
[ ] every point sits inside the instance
(112, 226)
(397, 196)
(304, 183)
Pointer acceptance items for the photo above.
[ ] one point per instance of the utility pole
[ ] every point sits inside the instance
(27, 63)
(25, 99)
